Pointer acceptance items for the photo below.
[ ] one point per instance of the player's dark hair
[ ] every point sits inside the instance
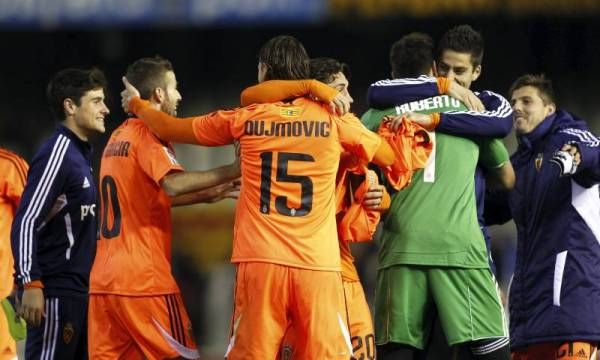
(324, 69)
(147, 74)
(540, 82)
(411, 56)
(285, 58)
(72, 84)
(463, 39)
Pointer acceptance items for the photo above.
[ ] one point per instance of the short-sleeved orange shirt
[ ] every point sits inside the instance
(13, 173)
(134, 251)
(290, 154)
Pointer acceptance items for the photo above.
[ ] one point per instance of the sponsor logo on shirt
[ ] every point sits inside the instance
(88, 210)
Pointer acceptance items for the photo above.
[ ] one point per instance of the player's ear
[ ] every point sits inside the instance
(158, 95)
(550, 109)
(476, 72)
(69, 106)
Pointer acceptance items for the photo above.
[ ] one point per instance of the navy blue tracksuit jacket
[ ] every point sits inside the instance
(54, 231)
(555, 291)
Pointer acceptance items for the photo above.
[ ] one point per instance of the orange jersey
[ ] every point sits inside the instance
(134, 251)
(289, 158)
(349, 272)
(412, 146)
(276, 90)
(13, 173)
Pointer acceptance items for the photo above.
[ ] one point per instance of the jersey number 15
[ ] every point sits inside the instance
(306, 185)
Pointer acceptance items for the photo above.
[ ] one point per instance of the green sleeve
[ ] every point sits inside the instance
(369, 121)
(492, 153)
(372, 118)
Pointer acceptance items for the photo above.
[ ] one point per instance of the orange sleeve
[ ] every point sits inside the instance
(384, 156)
(155, 159)
(278, 90)
(17, 186)
(443, 84)
(359, 140)
(219, 127)
(165, 126)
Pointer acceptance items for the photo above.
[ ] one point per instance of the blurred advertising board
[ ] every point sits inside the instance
(131, 13)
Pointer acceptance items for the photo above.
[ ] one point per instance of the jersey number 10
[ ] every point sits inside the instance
(108, 189)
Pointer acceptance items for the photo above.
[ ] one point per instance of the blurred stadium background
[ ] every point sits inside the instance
(213, 46)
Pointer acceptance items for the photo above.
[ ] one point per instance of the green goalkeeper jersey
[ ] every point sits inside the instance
(433, 221)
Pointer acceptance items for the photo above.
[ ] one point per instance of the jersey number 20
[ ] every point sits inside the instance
(306, 185)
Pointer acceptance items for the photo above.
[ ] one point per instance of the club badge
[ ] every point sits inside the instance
(538, 161)
(68, 332)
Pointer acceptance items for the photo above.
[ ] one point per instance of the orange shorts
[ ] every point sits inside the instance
(361, 323)
(574, 350)
(137, 327)
(359, 319)
(269, 298)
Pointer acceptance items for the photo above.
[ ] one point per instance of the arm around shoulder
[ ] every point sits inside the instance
(165, 126)
(184, 182)
(278, 90)
(495, 121)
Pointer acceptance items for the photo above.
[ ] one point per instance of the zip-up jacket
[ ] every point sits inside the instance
(495, 121)
(555, 290)
(54, 232)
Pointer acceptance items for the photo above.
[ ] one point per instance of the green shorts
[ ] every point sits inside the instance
(408, 297)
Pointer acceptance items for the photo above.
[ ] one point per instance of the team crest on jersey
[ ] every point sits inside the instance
(289, 112)
(68, 332)
(538, 161)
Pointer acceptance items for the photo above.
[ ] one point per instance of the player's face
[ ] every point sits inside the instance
(529, 109)
(90, 113)
(341, 84)
(458, 66)
(172, 95)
